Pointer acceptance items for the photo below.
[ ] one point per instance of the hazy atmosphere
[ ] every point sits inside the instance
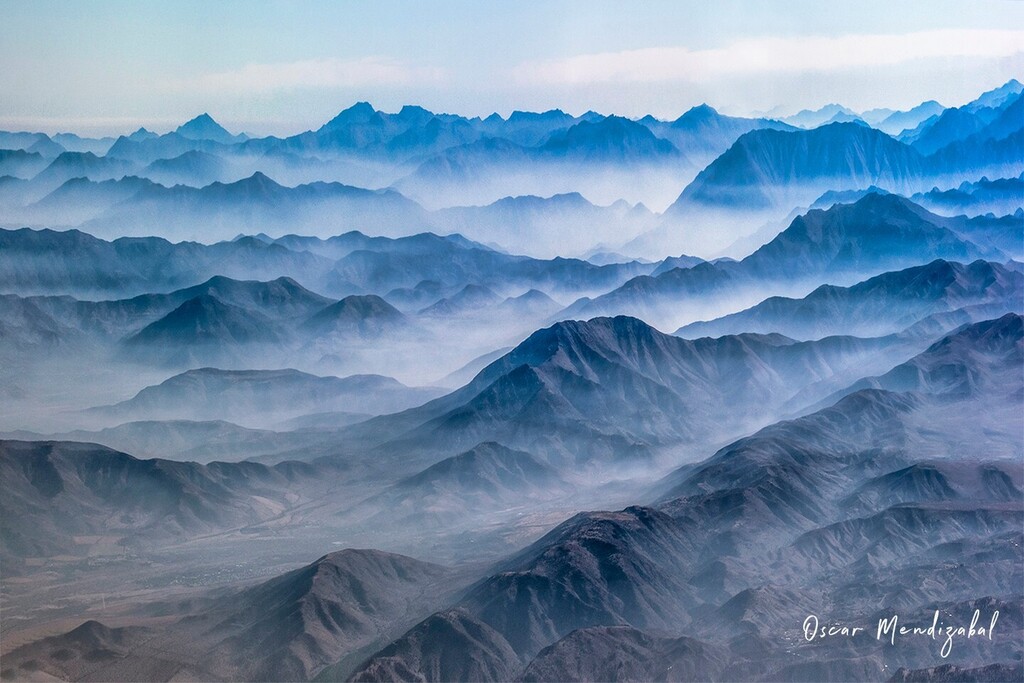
(460, 341)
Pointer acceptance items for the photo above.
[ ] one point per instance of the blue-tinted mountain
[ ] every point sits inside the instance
(469, 298)
(960, 123)
(876, 234)
(611, 139)
(1000, 196)
(46, 147)
(23, 140)
(884, 304)
(77, 143)
(808, 118)
(193, 168)
(356, 316)
(450, 645)
(845, 507)
(141, 134)
(609, 390)
(202, 441)
(73, 262)
(763, 165)
(489, 476)
(247, 395)
(205, 320)
(221, 211)
(546, 227)
(21, 164)
(603, 158)
(54, 491)
(703, 129)
(997, 97)
(673, 262)
(80, 199)
(899, 121)
(384, 265)
(605, 141)
(531, 128)
(26, 325)
(203, 127)
(281, 300)
(976, 359)
(999, 113)
(980, 154)
(532, 303)
(145, 149)
(79, 165)
(829, 199)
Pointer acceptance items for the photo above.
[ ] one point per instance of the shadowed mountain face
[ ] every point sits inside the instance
(190, 168)
(842, 244)
(766, 173)
(881, 305)
(448, 646)
(225, 210)
(203, 127)
(263, 396)
(613, 389)
(985, 118)
(206, 320)
(1000, 196)
(953, 367)
(60, 498)
(75, 654)
(746, 174)
(488, 477)
(206, 324)
(291, 627)
(625, 653)
(877, 232)
(564, 224)
(20, 164)
(356, 315)
(288, 628)
(49, 262)
(694, 564)
(857, 489)
(75, 263)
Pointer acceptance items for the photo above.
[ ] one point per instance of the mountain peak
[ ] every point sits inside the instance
(701, 111)
(258, 180)
(412, 111)
(203, 127)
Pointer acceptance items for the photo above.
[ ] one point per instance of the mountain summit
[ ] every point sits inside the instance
(203, 127)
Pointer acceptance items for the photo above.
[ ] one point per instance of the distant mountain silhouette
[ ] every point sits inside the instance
(194, 168)
(356, 316)
(203, 127)
(881, 305)
(248, 396)
(875, 234)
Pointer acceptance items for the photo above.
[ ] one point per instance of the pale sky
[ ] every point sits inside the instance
(109, 66)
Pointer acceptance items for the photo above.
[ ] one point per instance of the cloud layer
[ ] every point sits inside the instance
(315, 73)
(770, 55)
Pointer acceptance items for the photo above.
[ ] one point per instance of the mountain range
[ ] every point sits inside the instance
(396, 397)
(842, 244)
(884, 304)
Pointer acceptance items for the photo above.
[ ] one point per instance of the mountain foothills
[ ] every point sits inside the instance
(544, 397)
